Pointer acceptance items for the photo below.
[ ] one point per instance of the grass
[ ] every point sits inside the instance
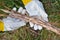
(52, 8)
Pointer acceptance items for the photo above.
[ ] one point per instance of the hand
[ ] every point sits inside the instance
(36, 8)
(13, 23)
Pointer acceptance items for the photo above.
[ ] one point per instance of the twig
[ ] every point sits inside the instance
(44, 24)
(4, 15)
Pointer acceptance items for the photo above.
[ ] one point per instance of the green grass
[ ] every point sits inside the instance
(52, 8)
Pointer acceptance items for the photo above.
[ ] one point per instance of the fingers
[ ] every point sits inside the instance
(35, 26)
(20, 10)
(23, 11)
(31, 24)
(39, 27)
(14, 9)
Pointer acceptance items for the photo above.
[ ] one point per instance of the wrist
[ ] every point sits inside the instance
(1, 26)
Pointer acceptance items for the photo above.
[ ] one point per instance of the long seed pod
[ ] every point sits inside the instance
(44, 24)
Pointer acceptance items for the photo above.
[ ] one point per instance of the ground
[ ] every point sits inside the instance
(52, 8)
